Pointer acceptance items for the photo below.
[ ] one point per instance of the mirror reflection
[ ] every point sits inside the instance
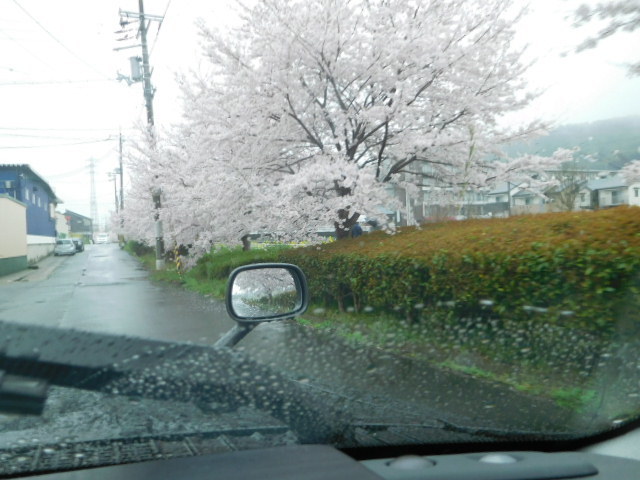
(264, 292)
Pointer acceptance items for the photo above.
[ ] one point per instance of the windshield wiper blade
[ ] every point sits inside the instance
(491, 433)
(21, 394)
(161, 370)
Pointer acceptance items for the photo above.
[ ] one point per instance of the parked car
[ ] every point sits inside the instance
(79, 244)
(64, 246)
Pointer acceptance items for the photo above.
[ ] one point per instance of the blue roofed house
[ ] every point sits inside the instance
(610, 192)
(23, 185)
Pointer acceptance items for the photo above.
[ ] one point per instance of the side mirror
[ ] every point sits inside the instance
(266, 292)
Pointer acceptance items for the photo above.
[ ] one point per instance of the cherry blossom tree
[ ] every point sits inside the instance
(614, 16)
(311, 112)
(631, 172)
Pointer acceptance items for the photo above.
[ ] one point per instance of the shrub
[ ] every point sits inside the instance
(138, 249)
(220, 262)
(578, 269)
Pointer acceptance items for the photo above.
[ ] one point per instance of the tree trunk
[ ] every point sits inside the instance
(344, 224)
(246, 243)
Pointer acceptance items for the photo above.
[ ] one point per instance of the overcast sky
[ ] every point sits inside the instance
(61, 107)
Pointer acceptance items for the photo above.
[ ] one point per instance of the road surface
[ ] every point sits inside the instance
(104, 289)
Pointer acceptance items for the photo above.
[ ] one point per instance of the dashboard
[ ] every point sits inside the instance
(315, 462)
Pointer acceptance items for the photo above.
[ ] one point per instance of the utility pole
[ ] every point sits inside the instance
(146, 70)
(114, 176)
(156, 192)
(93, 201)
(121, 176)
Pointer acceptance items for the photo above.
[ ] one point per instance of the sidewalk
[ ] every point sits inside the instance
(46, 266)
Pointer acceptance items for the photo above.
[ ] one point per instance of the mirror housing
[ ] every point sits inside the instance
(265, 292)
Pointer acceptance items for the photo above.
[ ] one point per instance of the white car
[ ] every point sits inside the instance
(64, 246)
(102, 238)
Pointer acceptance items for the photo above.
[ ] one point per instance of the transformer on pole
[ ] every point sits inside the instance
(141, 72)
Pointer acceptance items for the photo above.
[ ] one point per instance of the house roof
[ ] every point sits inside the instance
(503, 188)
(525, 193)
(74, 214)
(605, 183)
(25, 168)
(10, 198)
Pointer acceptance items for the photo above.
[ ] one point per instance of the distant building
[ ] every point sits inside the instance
(79, 225)
(62, 226)
(608, 192)
(23, 184)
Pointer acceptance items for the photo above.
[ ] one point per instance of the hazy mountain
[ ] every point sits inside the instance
(605, 144)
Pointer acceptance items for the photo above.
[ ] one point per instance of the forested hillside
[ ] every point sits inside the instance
(605, 144)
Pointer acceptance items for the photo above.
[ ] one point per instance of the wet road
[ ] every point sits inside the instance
(106, 290)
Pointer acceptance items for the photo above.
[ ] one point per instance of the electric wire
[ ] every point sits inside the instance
(53, 82)
(155, 40)
(5, 35)
(19, 147)
(47, 129)
(23, 135)
(59, 42)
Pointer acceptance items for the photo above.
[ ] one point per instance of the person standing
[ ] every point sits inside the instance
(356, 230)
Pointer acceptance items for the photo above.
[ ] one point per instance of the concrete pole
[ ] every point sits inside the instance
(148, 98)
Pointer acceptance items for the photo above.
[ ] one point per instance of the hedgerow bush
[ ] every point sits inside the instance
(220, 262)
(578, 269)
(138, 248)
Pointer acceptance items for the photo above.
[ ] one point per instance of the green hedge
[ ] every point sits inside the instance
(578, 269)
(138, 249)
(220, 262)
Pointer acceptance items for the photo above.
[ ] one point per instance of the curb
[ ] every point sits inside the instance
(46, 266)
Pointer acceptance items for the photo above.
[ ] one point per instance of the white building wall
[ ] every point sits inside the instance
(634, 194)
(583, 199)
(13, 224)
(608, 198)
(39, 247)
(62, 227)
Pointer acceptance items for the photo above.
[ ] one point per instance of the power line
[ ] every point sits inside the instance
(4, 34)
(55, 82)
(22, 135)
(58, 41)
(155, 40)
(82, 169)
(55, 145)
(65, 129)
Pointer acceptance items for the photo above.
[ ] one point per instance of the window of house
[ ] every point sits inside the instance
(636, 192)
(26, 194)
(615, 197)
(583, 197)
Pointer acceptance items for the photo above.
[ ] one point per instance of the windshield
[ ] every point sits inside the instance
(458, 180)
